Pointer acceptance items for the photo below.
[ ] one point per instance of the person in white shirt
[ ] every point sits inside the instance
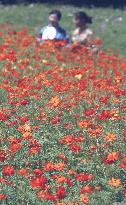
(53, 31)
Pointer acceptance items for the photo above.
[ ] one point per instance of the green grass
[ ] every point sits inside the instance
(105, 21)
(32, 76)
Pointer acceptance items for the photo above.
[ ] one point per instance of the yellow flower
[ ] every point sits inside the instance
(54, 101)
(78, 76)
(110, 137)
(114, 182)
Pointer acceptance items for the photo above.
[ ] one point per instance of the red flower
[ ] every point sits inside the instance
(38, 182)
(8, 170)
(123, 163)
(38, 172)
(54, 120)
(3, 196)
(111, 157)
(87, 189)
(2, 180)
(22, 172)
(50, 197)
(23, 102)
(124, 190)
(104, 99)
(2, 155)
(60, 193)
(83, 177)
(14, 147)
(69, 182)
(23, 119)
(11, 123)
(89, 112)
(34, 150)
(75, 148)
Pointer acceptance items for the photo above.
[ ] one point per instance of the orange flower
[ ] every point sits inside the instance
(48, 166)
(60, 203)
(59, 166)
(68, 139)
(112, 157)
(60, 179)
(87, 189)
(24, 128)
(27, 127)
(26, 135)
(71, 171)
(114, 182)
(42, 195)
(70, 203)
(95, 130)
(54, 101)
(84, 198)
(62, 156)
(34, 150)
(22, 172)
(110, 137)
(82, 123)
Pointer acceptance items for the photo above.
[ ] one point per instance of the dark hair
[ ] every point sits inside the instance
(83, 16)
(57, 12)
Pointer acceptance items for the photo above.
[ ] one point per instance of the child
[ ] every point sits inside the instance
(53, 31)
(82, 35)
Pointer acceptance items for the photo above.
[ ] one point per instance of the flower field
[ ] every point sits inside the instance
(62, 123)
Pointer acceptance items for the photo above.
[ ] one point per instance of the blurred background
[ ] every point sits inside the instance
(89, 3)
(109, 18)
(97, 3)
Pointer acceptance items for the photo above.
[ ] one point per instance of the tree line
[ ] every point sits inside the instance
(89, 3)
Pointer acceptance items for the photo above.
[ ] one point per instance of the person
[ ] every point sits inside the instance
(83, 35)
(53, 31)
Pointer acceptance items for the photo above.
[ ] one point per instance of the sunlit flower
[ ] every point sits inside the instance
(87, 189)
(54, 101)
(84, 199)
(48, 166)
(114, 182)
(82, 123)
(110, 137)
(59, 166)
(112, 157)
